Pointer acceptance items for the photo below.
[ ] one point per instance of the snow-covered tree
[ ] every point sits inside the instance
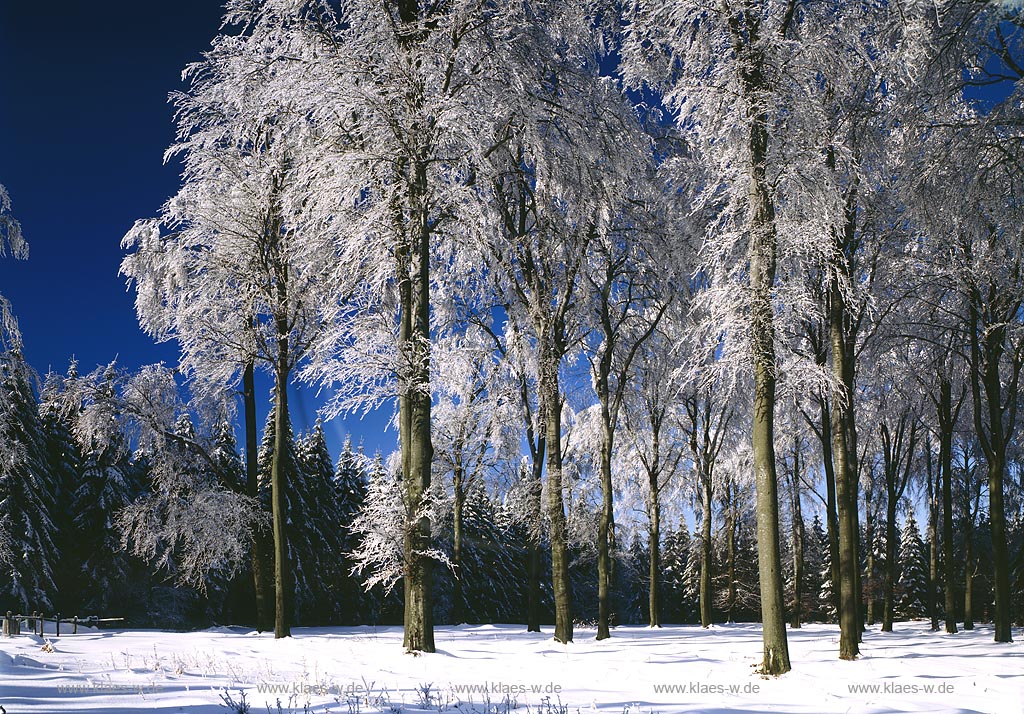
(11, 237)
(317, 525)
(912, 587)
(28, 493)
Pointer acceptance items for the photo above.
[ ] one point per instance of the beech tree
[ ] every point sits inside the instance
(719, 70)
(223, 270)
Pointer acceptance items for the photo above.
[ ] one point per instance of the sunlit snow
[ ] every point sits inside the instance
(503, 669)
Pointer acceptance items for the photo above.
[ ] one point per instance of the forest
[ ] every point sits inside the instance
(683, 312)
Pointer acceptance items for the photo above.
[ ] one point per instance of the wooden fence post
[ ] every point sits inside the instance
(56, 632)
(74, 625)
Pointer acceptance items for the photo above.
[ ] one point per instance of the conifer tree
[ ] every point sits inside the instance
(28, 493)
(912, 586)
(317, 530)
(350, 488)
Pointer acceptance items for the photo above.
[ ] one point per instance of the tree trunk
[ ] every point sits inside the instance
(414, 431)
(605, 527)
(278, 484)
(890, 558)
(762, 258)
(551, 403)
(844, 457)
(706, 596)
(946, 475)
(533, 564)
(933, 546)
(262, 546)
(986, 355)
(869, 535)
(654, 539)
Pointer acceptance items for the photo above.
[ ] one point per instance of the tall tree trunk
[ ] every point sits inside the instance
(605, 526)
(414, 431)
(946, 421)
(844, 457)
(262, 546)
(890, 560)
(654, 539)
(933, 545)
(551, 403)
(706, 596)
(762, 255)
(762, 336)
(278, 484)
(869, 536)
(969, 579)
(730, 549)
(986, 354)
(534, 548)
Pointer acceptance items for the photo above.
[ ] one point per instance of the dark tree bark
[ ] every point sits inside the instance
(551, 402)
(414, 427)
(279, 484)
(932, 474)
(262, 549)
(993, 420)
(947, 421)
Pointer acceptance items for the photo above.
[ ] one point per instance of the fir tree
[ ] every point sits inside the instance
(826, 591)
(815, 553)
(350, 491)
(57, 409)
(912, 586)
(676, 606)
(691, 582)
(316, 530)
(28, 494)
(379, 528)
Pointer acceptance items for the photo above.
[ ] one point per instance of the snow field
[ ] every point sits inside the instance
(501, 669)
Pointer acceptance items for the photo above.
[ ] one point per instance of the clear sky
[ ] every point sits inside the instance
(84, 122)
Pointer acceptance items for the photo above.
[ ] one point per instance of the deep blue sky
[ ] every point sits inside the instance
(84, 122)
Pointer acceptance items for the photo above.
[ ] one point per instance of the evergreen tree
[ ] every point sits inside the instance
(489, 568)
(350, 491)
(691, 581)
(815, 553)
(28, 494)
(912, 587)
(104, 488)
(379, 528)
(57, 409)
(827, 590)
(674, 558)
(316, 531)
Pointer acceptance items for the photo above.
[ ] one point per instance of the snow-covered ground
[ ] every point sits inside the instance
(503, 669)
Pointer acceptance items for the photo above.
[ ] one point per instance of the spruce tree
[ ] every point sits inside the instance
(354, 605)
(912, 586)
(826, 591)
(28, 494)
(316, 530)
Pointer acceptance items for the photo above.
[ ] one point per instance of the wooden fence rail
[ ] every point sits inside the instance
(12, 623)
